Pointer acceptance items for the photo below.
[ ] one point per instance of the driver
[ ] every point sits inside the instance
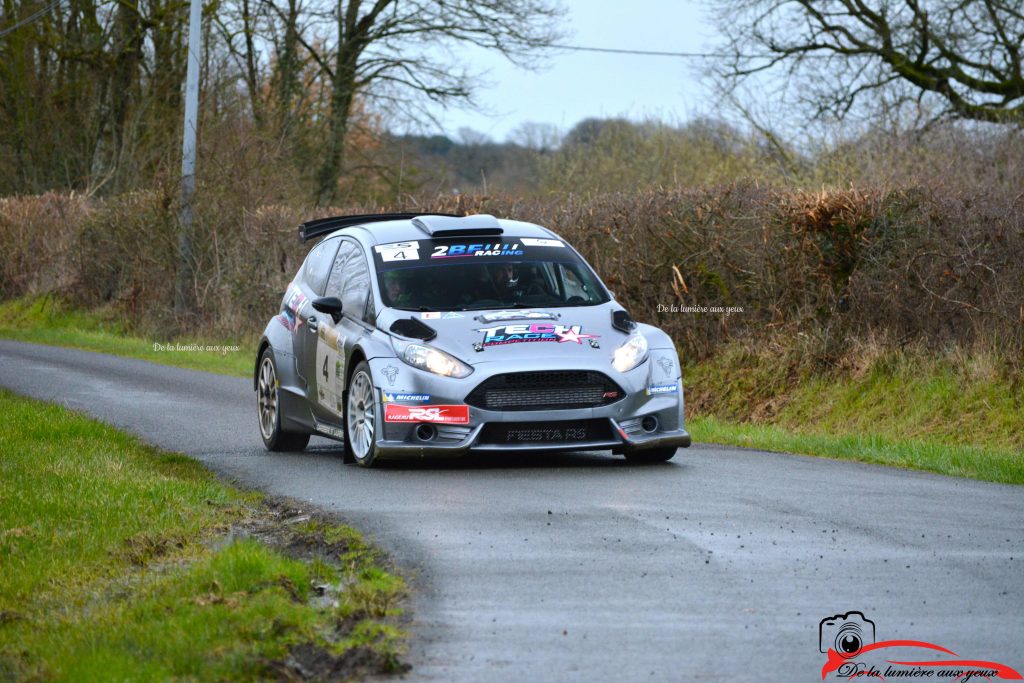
(399, 287)
(505, 277)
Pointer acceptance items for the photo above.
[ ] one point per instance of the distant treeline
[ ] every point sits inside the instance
(598, 156)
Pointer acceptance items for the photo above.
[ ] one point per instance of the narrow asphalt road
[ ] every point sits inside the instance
(716, 566)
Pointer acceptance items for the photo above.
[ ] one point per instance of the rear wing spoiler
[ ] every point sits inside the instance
(433, 224)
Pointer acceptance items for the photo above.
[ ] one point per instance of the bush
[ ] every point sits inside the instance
(36, 238)
(914, 264)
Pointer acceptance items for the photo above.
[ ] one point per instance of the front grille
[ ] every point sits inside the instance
(544, 433)
(545, 390)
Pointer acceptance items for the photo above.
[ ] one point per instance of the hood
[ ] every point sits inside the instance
(584, 333)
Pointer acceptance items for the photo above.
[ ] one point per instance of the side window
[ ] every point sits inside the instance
(318, 264)
(370, 314)
(350, 279)
(339, 274)
(573, 286)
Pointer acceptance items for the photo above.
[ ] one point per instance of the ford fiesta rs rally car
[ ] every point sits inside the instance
(407, 335)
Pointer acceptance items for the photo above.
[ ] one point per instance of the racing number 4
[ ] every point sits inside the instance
(324, 371)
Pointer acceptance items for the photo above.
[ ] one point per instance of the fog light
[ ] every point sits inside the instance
(649, 423)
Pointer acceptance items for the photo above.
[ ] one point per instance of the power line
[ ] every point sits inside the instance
(659, 53)
(29, 19)
(649, 53)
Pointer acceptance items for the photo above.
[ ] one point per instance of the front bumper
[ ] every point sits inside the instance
(619, 443)
(619, 426)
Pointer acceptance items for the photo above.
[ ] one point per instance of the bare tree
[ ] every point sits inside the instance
(384, 48)
(237, 25)
(961, 58)
(538, 137)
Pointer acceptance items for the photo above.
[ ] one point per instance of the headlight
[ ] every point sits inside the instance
(631, 354)
(434, 360)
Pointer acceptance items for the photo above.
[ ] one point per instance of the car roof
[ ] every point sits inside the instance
(385, 232)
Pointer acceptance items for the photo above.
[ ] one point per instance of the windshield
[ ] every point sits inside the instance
(449, 277)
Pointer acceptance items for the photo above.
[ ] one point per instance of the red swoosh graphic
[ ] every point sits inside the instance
(835, 660)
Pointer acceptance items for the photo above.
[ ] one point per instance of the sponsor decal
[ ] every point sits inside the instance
(296, 299)
(391, 373)
(451, 315)
(534, 332)
(398, 251)
(330, 336)
(498, 316)
(546, 434)
(456, 414)
(849, 642)
(330, 368)
(470, 250)
(662, 389)
(330, 430)
(535, 242)
(430, 315)
(287, 319)
(402, 397)
(666, 365)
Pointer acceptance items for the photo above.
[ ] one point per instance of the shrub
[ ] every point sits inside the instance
(836, 266)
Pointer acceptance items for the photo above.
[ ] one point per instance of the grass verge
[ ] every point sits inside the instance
(957, 414)
(48, 320)
(951, 459)
(124, 562)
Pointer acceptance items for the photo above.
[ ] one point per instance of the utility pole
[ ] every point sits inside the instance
(183, 292)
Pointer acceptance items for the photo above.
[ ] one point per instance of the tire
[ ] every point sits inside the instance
(362, 417)
(268, 409)
(652, 455)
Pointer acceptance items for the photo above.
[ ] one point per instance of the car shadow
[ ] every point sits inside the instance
(499, 460)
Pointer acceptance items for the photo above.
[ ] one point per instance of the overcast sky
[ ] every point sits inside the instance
(577, 85)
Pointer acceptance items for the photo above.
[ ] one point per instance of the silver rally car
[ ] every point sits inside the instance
(408, 335)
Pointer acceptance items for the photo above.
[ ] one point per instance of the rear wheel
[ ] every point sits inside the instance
(652, 455)
(362, 418)
(268, 409)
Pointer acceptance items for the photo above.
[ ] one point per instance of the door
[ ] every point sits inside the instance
(349, 280)
(311, 282)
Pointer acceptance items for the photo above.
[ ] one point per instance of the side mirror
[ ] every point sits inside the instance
(623, 321)
(330, 305)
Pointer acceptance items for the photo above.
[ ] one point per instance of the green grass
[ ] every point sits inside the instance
(951, 459)
(117, 565)
(47, 320)
(961, 415)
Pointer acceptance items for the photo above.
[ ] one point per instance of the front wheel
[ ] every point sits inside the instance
(652, 455)
(268, 409)
(362, 418)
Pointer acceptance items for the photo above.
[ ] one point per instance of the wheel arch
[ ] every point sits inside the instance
(264, 345)
(355, 358)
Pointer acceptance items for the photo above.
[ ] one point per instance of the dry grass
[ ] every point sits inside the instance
(836, 269)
